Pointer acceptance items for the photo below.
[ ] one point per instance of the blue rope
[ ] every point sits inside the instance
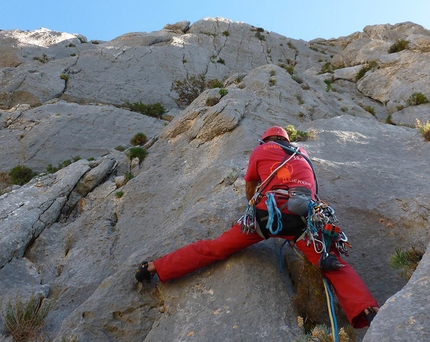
(273, 210)
(331, 311)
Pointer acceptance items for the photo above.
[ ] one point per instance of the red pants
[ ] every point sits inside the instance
(350, 290)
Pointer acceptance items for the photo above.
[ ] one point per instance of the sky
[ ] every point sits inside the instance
(299, 19)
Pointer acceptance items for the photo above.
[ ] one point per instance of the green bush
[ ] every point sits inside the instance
(424, 129)
(139, 139)
(289, 68)
(42, 59)
(369, 109)
(327, 67)
(389, 120)
(137, 152)
(212, 101)
(398, 46)
(260, 36)
(223, 92)
(21, 175)
(215, 83)
(67, 162)
(300, 99)
(416, 99)
(188, 89)
(296, 135)
(406, 260)
(291, 46)
(24, 319)
(328, 84)
(155, 110)
(362, 72)
(298, 79)
(64, 77)
(239, 79)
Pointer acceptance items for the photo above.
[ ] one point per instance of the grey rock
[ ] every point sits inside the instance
(349, 74)
(95, 176)
(21, 278)
(408, 116)
(419, 42)
(69, 131)
(179, 27)
(409, 322)
(27, 211)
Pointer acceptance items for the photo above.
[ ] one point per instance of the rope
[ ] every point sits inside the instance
(329, 295)
(331, 313)
(273, 211)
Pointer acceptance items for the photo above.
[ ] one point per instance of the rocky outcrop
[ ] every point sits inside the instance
(59, 131)
(77, 235)
(408, 323)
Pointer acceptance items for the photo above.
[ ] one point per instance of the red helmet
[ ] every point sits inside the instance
(275, 131)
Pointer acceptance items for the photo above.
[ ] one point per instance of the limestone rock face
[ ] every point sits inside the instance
(59, 131)
(410, 322)
(77, 235)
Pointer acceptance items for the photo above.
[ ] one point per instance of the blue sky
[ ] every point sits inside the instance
(299, 19)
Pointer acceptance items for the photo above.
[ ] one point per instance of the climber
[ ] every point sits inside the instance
(271, 175)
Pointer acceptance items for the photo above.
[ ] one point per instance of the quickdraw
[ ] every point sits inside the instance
(248, 221)
(322, 231)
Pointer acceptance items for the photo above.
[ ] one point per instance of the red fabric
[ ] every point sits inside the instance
(202, 253)
(352, 293)
(350, 290)
(266, 158)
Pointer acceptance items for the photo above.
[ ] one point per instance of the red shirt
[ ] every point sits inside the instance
(267, 157)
